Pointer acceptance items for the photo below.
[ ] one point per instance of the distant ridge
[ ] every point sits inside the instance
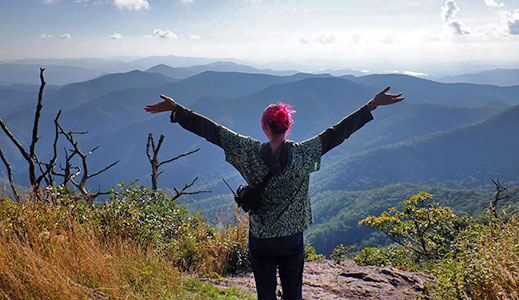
(219, 66)
(465, 157)
(450, 94)
(499, 77)
(56, 75)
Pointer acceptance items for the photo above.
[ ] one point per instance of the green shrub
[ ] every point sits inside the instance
(340, 253)
(153, 220)
(392, 255)
(310, 254)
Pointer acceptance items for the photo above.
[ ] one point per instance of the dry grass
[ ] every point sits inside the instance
(485, 266)
(68, 261)
(499, 252)
(228, 249)
(45, 253)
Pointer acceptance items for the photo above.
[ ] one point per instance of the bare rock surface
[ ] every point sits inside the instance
(327, 280)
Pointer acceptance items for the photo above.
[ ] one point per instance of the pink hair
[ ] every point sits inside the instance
(278, 117)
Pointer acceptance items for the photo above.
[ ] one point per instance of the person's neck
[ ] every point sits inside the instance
(275, 142)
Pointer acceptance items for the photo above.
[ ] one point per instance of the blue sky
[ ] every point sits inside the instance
(299, 31)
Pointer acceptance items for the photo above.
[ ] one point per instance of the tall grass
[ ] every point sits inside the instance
(66, 252)
(484, 263)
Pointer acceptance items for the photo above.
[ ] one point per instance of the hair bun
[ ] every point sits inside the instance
(279, 117)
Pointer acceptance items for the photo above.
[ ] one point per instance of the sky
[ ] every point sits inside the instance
(333, 32)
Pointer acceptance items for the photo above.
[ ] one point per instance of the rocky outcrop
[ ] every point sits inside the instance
(327, 280)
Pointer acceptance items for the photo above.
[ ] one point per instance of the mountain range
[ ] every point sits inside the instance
(455, 136)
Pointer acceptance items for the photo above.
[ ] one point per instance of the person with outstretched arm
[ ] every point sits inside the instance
(276, 227)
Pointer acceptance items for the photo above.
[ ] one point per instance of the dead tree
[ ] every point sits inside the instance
(10, 175)
(30, 156)
(497, 197)
(83, 170)
(155, 164)
(154, 160)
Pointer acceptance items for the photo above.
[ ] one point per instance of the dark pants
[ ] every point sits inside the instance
(287, 253)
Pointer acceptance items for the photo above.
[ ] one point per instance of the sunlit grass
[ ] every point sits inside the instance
(47, 253)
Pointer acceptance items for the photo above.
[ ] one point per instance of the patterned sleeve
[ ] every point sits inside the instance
(239, 150)
(310, 150)
(196, 123)
(336, 134)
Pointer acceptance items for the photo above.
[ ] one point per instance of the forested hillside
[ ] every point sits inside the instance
(337, 213)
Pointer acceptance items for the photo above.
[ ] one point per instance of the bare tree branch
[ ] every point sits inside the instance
(52, 161)
(186, 186)
(67, 170)
(31, 155)
(103, 170)
(92, 151)
(39, 106)
(48, 172)
(84, 163)
(177, 157)
(150, 141)
(154, 160)
(15, 141)
(497, 197)
(157, 149)
(150, 144)
(10, 175)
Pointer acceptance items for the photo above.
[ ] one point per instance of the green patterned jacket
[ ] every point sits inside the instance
(286, 209)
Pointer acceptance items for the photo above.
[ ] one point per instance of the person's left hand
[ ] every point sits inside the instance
(386, 99)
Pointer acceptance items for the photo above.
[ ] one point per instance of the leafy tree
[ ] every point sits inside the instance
(423, 227)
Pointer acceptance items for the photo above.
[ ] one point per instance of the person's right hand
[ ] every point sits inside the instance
(386, 99)
(167, 105)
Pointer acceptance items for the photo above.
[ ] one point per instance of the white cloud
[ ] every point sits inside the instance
(130, 4)
(326, 39)
(194, 37)
(448, 14)
(65, 36)
(304, 41)
(458, 28)
(186, 1)
(115, 36)
(513, 27)
(449, 10)
(509, 23)
(163, 34)
(45, 36)
(493, 3)
(513, 23)
(49, 1)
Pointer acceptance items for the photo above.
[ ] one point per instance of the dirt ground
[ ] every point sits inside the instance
(327, 280)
